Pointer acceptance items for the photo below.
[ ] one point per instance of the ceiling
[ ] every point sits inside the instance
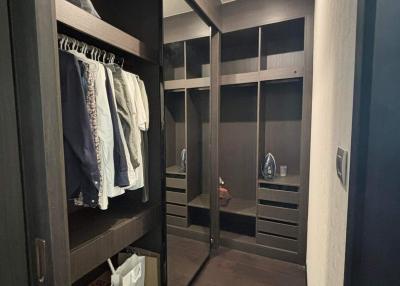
(176, 7)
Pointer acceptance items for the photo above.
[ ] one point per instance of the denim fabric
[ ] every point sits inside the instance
(120, 165)
(81, 168)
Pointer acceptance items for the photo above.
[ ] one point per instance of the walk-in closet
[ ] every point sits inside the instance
(263, 107)
(155, 136)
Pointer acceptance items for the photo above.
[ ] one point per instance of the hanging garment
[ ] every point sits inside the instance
(106, 136)
(89, 71)
(120, 164)
(89, 74)
(117, 191)
(124, 96)
(81, 168)
(140, 124)
(145, 144)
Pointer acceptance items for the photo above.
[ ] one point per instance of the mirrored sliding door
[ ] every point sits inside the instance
(187, 140)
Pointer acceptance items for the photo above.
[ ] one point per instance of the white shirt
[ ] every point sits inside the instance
(106, 137)
(141, 123)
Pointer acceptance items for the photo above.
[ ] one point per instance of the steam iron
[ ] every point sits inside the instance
(269, 167)
(183, 160)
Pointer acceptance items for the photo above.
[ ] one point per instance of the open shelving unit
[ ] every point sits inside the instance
(261, 110)
(176, 142)
(187, 64)
(238, 115)
(271, 52)
(95, 235)
(187, 126)
(240, 57)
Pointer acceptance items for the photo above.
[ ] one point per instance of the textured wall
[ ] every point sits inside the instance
(334, 57)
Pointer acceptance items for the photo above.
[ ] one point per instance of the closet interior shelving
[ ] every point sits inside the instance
(261, 110)
(95, 235)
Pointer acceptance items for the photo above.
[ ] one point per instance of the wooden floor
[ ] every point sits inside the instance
(184, 257)
(232, 267)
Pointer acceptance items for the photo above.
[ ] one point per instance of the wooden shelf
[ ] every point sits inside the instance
(196, 232)
(235, 206)
(281, 73)
(84, 22)
(187, 83)
(235, 241)
(175, 170)
(97, 235)
(289, 180)
(240, 78)
(263, 75)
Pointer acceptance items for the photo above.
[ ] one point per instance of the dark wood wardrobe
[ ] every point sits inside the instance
(263, 105)
(66, 246)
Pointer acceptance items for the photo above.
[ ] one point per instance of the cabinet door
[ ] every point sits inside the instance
(13, 260)
(35, 61)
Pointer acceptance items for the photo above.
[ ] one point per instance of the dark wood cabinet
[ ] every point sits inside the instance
(64, 244)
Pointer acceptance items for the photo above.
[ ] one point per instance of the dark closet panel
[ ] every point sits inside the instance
(215, 100)
(175, 121)
(240, 15)
(144, 16)
(40, 126)
(193, 148)
(198, 142)
(184, 27)
(13, 259)
(198, 58)
(281, 114)
(238, 136)
(239, 52)
(282, 45)
(174, 61)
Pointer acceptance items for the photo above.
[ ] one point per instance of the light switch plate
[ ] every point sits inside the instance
(341, 165)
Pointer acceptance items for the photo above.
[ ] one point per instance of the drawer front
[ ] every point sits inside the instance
(176, 183)
(278, 213)
(278, 196)
(278, 228)
(176, 220)
(176, 198)
(277, 242)
(177, 210)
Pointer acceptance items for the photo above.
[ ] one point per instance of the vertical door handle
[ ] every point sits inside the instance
(40, 259)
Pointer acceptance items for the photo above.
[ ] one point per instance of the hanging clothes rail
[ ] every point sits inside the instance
(68, 43)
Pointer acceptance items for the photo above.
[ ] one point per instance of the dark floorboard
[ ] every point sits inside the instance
(185, 256)
(236, 268)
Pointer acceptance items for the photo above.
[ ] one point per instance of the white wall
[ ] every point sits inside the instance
(334, 58)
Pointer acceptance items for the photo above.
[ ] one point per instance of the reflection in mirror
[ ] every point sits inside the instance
(187, 103)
